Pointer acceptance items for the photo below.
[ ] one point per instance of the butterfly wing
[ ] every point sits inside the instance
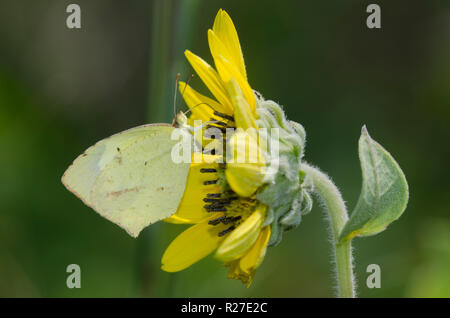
(130, 178)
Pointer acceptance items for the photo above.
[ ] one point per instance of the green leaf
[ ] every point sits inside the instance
(384, 193)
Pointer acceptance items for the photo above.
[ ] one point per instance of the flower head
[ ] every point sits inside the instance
(237, 207)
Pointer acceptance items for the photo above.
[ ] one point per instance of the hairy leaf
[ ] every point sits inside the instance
(384, 193)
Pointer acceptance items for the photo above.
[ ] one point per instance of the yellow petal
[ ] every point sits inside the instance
(227, 71)
(197, 242)
(254, 256)
(218, 50)
(191, 208)
(243, 237)
(226, 32)
(244, 178)
(174, 219)
(235, 272)
(245, 164)
(244, 268)
(202, 107)
(217, 47)
(243, 114)
(211, 79)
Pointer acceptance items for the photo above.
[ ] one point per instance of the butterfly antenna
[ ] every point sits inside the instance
(190, 109)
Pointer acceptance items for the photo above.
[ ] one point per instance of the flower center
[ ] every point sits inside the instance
(235, 209)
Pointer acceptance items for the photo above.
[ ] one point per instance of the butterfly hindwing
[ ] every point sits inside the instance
(130, 178)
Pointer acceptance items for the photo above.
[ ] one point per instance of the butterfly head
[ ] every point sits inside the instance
(180, 120)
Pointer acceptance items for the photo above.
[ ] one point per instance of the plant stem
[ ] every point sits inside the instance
(159, 111)
(172, 22)
(335, 206)
(158, 98)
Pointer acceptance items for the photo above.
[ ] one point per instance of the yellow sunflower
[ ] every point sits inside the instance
(237, 207)
(227, 219)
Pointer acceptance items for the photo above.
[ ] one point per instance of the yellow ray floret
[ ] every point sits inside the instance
(202, 107)
(245, 267)
(246, 165)
(197, 242)
(191, 209)
(224, 29)
(243, 237)
(211, 79)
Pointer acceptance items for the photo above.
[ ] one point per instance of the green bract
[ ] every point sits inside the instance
(286, 194)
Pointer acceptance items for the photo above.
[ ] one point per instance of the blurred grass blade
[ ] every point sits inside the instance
(171, 33)
(160, 109)
(384, 193)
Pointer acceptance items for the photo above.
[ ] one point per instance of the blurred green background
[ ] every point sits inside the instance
(61, 90)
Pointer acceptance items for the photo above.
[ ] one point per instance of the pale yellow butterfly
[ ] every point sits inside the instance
(130, 177)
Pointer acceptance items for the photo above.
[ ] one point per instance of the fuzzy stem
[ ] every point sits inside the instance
(338, 216)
